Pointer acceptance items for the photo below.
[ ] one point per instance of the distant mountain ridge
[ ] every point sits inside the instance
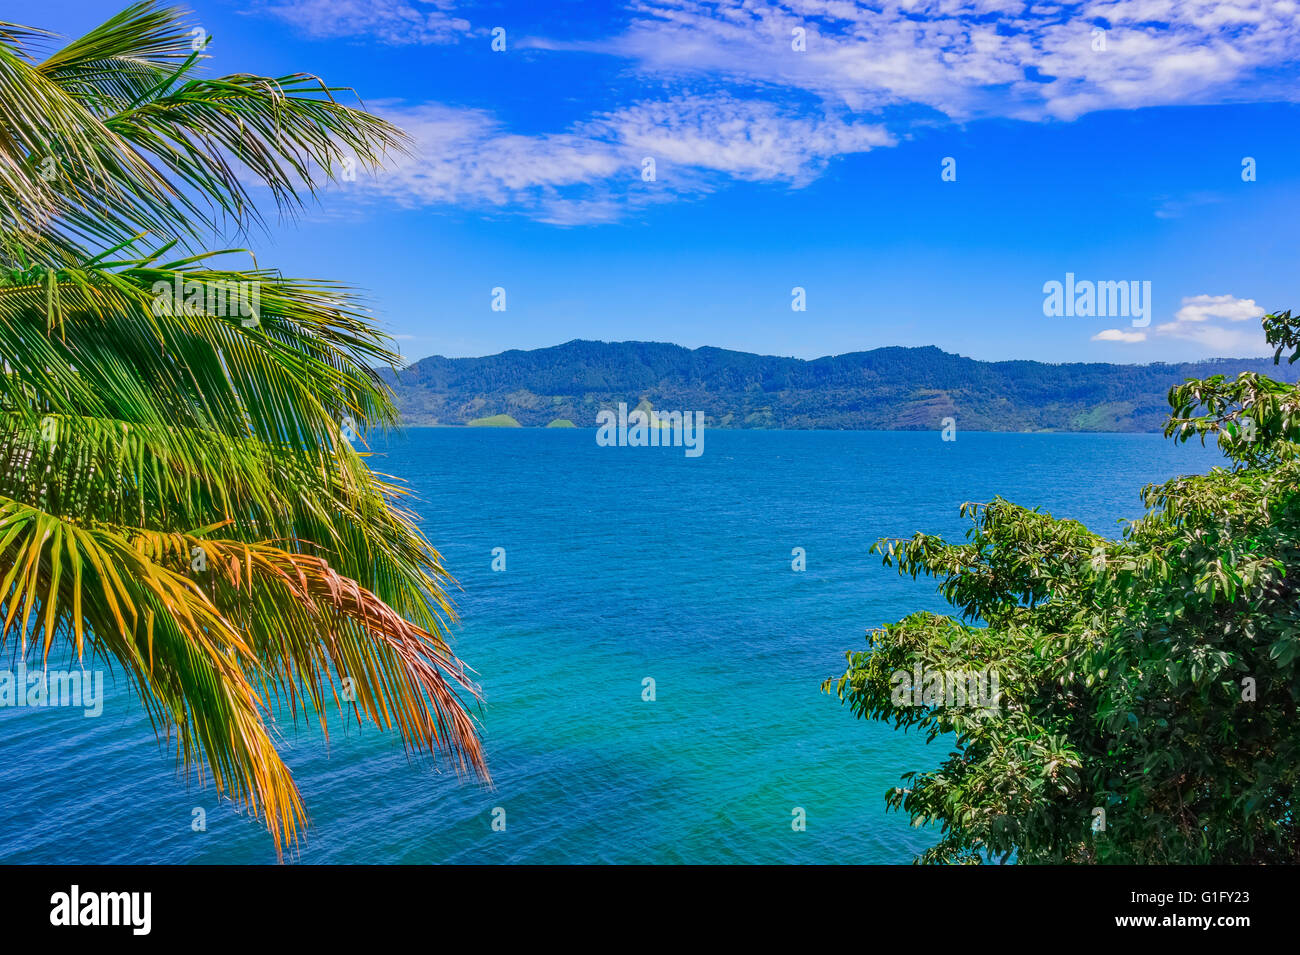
(892, 388)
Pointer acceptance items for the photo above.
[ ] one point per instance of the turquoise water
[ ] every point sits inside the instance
(621, 564)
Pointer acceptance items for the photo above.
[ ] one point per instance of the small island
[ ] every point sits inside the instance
(494, 421)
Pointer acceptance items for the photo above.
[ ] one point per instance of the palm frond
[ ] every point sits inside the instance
(111, 137)
(188, 663)
(146, 416)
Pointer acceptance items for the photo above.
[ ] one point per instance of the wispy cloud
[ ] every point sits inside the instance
(1176, 208)
(1199, 320)
(1227, 342)
(395, 22)
(744, 139)
(596, 170)
(963, 58)
(968, 58)
(913, 60)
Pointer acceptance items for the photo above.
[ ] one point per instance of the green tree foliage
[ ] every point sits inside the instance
(1155, 677)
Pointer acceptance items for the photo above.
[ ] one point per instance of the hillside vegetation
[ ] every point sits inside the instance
(885, 389)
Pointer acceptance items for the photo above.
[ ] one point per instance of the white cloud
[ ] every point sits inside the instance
(961, 59)
(969, 58)
(745, 139)
(395, 22)
(1200, 320)
(1224, 342)
(466, 157)
(1175, 208)
(593, 171)
(1201, 308)
(1196, 321)
(1118, 335)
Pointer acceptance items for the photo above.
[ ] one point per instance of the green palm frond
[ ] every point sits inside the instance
(289, 132)
(113, 136)
(124, 58)
(83, 339)
(155, 408)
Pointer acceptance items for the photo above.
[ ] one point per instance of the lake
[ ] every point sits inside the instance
(622, 564)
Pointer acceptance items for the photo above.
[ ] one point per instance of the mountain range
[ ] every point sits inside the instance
(891, 388)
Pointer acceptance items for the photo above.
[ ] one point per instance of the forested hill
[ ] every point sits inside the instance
(886, 388)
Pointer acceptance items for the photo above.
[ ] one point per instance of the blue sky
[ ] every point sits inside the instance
(818, 168)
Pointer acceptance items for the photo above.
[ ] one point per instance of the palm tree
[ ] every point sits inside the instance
(177, 495)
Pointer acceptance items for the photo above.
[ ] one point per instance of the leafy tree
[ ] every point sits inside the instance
(177, 496)
(1154, 678)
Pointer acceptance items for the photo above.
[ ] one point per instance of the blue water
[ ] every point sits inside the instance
(622, 564)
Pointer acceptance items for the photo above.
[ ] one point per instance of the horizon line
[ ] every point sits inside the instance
(864, 351)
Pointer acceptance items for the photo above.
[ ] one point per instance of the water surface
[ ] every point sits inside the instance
(621, 564)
